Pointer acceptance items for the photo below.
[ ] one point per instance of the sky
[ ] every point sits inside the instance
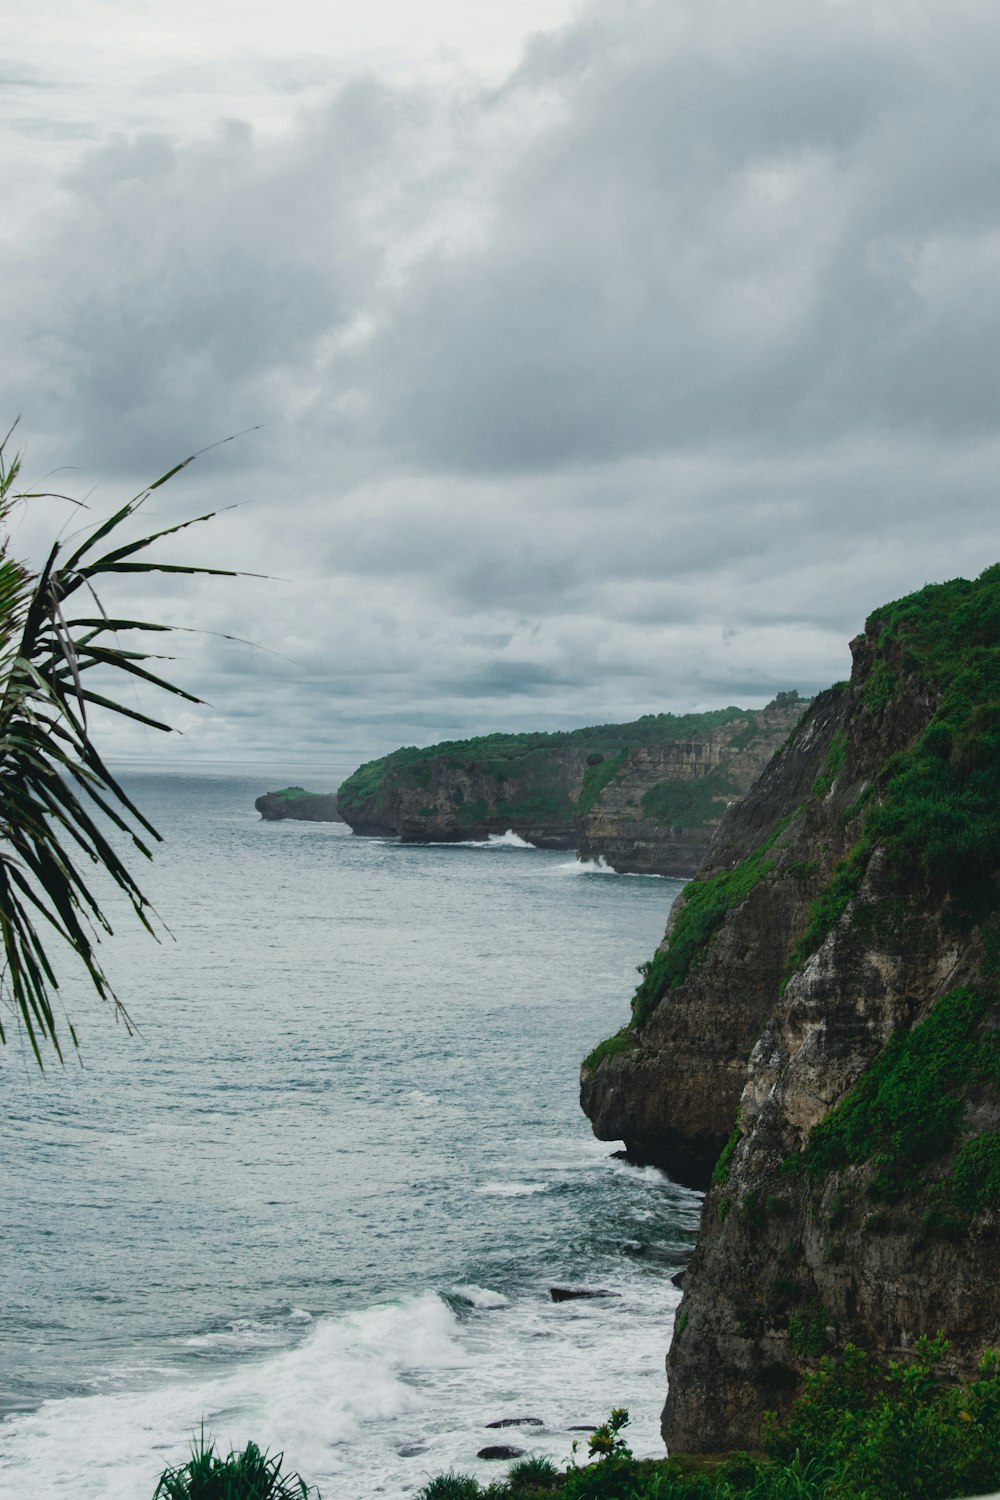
(590, 359)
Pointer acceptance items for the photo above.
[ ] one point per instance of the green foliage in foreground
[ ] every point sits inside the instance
(907, 1108)
(859, 1431)
(62, 657)
(247, 1475)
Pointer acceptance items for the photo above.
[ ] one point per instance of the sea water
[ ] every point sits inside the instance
(319, 1198)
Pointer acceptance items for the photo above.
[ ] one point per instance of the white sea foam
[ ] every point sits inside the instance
(508, 840)
(598, 866)
(363, 1370)
(480, 1296)
(372, 1403)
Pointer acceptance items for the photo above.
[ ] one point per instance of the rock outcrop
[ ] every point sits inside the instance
(660, 808)
(295, 802)
(644, 796)
(824, 1010)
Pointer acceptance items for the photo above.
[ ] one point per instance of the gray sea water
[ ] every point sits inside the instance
(318, 1200)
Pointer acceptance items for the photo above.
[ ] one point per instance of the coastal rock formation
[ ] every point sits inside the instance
(662, 804)
(825, 1003)
(644, 796)
(295, 802)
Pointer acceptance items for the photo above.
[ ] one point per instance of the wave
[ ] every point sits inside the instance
(508, 840)
(312, 1401)
(479, 1297)
(598, 866)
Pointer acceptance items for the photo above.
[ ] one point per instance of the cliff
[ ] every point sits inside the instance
(295, 802)
(644, 796)
(663, 802)
(824, 1013)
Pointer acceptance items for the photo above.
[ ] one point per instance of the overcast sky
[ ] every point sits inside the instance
(611, 367)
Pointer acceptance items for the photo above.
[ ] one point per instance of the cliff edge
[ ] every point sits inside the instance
(822, 1024)
(645, 796)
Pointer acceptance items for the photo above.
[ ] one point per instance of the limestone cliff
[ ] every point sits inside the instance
(295, 802)
(644, 796)
(658, 811)
(829, 984)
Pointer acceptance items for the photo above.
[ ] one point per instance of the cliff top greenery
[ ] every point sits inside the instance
(933, 807)
(502, 752)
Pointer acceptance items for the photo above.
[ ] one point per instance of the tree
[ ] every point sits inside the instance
(57, 796)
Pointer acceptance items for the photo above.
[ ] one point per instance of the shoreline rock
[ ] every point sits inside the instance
(295, 802)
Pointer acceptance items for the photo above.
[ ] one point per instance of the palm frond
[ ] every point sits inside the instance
(57, 795)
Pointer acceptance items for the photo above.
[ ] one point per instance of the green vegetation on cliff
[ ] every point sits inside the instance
(936, 808)
(907, 1111)
(600, 771)
(687, 804)
(704, 905)
(521, 764)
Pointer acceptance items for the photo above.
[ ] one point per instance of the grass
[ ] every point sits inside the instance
(906, 1111)
(705, 904)
(622, 1041)
(835, 757)
(720, 1172)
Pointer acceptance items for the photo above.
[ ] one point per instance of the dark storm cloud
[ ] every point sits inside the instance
(764, 233)
(634, 383)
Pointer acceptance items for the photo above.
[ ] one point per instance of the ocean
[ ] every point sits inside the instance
(319, 1198)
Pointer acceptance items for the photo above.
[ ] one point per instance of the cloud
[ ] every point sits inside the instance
(631, 383)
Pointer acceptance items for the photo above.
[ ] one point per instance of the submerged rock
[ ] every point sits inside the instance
(517, 1422)
(572, 1293)
(500, 1450)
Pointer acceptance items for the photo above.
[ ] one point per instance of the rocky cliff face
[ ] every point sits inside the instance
(295, 802)
(826, 998)
(457, 794)
(644, 796)
(658, 812)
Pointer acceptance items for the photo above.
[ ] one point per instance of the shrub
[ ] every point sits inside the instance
(248, 1475)
(450, 1487)
(533, 1474)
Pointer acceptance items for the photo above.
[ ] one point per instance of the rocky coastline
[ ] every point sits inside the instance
(644, 797)
(295, 802)
(816, 1040)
